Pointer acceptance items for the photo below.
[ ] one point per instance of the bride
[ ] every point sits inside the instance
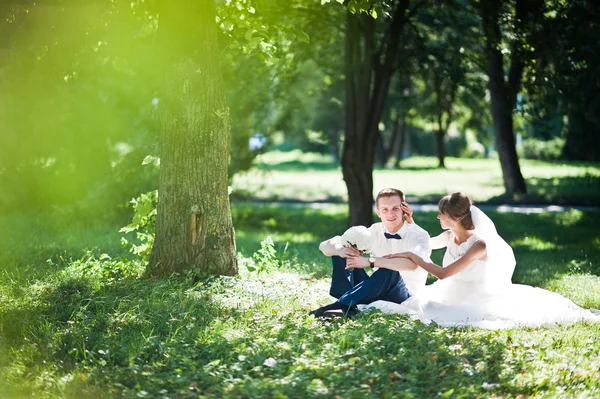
(474, 286)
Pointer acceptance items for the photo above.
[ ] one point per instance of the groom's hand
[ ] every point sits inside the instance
(408, 213)
(358, 262)
(349, 252)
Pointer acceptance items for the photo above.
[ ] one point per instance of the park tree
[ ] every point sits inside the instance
(563, 84)
(506, 28)
(193, 225)
(371, 46)
(443, 33)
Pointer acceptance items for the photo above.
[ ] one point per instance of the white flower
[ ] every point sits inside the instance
(358, 237)
(270, 362)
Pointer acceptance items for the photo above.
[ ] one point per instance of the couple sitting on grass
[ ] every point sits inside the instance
(474, 285)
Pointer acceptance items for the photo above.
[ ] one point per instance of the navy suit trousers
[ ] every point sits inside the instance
(353, 287)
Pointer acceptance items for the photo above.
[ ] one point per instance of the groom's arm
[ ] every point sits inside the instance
(334, 247)
(419, 242)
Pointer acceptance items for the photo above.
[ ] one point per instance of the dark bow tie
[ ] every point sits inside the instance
(394, 236)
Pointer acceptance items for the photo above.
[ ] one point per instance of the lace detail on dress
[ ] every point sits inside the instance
(474, 272)
(456, 251)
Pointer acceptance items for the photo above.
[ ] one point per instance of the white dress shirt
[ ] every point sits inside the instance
(414, 239)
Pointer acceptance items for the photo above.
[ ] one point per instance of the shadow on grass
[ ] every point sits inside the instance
(76, 322)
(414, 168)
(243, 195)
(299, 166)
(567, 190)
(382, 356)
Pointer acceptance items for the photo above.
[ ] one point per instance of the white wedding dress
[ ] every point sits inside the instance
(482, 295)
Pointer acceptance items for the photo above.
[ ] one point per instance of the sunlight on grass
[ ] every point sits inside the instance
(297, 176)
(569, 218)
(533, 243)
(584, 290)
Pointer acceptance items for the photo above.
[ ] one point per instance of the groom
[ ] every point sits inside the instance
(396, 279)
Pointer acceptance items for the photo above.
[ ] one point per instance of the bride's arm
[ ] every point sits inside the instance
(477, 251)
(393, 263)
(440, 241)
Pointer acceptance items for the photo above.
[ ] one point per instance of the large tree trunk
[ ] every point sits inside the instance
(193, 226)
(368, 75)
(358, 151)
(503, 94)
(505, 138)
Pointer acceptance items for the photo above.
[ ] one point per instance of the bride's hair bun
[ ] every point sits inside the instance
(458, 206)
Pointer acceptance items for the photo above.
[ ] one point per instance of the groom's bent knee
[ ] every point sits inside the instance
(338, 261)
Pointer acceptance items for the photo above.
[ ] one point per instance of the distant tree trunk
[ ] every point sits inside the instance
(441, 132)
(194, 228)
(385, 149)
(396, 133)
(504, 94)
(335, 146)
(368, 75)
(439, 136)
(402, 138)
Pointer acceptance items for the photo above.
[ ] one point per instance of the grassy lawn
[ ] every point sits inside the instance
(82, 324)
(316, 177)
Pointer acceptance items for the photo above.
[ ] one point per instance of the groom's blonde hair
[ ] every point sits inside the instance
(458, 206)
(389, 192)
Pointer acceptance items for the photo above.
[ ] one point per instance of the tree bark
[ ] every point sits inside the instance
(368, 75)
(193, 227)
(503, 94)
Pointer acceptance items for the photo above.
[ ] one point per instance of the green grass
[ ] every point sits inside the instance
(296, 176)
(78, 324)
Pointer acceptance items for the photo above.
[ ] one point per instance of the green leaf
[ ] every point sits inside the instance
(128, 229)
(373, 13)
(303, 37)
(249, 33)
(151, 159)
(352, 6)
(227, 26)
(326, 1)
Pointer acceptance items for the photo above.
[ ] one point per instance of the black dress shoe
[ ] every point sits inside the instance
(340, 313)
(332, 306)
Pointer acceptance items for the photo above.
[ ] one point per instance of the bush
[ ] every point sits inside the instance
(424, 142)
(143, 224)
(550, 150)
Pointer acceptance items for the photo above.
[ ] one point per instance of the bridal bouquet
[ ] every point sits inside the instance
(358, 237)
